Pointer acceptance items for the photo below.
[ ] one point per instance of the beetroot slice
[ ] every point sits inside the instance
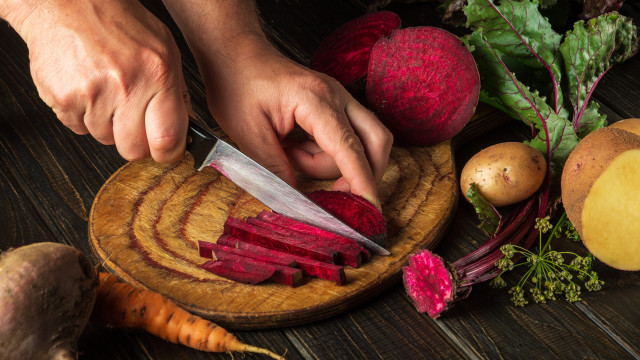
(340, 241)
(309, 267)
(216, 250)
(282, 273)
(423, 83)
(243, 272)
(346, 256)
(269, 239)
(428, 283)
(344, 54)
(355, 211)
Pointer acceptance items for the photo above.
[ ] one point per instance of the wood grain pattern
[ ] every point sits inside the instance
(147, 219)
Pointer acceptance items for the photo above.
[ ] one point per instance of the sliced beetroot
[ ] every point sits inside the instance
(355, 211)
(423, 83)
(245, 265)
(428, 283)
(247, 273)
(344, 54)
(217, 250)
(269, 239)
(343, 244)
(309, 267)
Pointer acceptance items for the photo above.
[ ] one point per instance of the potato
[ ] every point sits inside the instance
(505, 173)
(601, 196)
(631, 125)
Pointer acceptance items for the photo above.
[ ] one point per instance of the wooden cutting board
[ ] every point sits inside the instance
(147, 219)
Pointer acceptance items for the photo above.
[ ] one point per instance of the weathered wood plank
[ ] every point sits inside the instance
(387, 328)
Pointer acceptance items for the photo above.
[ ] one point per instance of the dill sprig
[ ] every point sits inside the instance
(548, 275)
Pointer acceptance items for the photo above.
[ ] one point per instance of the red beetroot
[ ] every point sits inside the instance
(428, 283)
(346, 255)
(434, 285)
(216, 250)
(309, 267)
(341, 241)
(423, 83)
(244, 266)
(344, 54)
(246, 273)
(354, 211)
(269, 239)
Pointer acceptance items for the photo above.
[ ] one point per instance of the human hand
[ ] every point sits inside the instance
(259, 96)
(111, 69)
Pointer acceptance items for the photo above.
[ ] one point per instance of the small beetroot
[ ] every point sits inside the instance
(423, 83)
(344, 54)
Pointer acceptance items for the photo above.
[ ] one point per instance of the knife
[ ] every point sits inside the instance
(209, 150)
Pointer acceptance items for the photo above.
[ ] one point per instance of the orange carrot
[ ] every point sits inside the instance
(120, 304)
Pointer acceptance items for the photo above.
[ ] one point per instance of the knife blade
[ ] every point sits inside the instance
(208, 149)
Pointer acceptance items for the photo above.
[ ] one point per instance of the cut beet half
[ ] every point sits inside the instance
(349, 251)
(423, 83)
(355, 211)
(269, 239)
(309, 267)
(344, 54)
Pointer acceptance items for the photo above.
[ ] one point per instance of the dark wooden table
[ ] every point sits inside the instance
(49, 177)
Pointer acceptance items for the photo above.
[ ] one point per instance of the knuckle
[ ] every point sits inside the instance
(159, 64)
(318, 85)
(349, 140)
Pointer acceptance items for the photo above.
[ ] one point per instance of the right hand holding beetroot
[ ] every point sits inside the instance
(108, 68)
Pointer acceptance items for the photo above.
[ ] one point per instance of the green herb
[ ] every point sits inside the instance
(490, 218)
(548, 274)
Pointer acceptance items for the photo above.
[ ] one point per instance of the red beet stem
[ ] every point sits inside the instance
(471, 272)
(269, 239)
(309, 267)
(497, 240)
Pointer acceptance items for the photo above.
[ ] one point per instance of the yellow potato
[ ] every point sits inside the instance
(631, 125)
(505, 173)
(601, 196)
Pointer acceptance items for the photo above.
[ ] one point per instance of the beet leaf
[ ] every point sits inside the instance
(524, 63)
(589, 51)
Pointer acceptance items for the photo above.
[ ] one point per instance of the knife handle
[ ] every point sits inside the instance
(200, 141)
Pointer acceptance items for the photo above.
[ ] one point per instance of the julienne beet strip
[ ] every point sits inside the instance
(209, 249)
(346, 256)
(309, 267)
(336, 240)
(282, 274)
(269, 239)
(246, 273)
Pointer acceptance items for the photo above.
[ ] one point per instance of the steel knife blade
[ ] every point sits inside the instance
(208, 149)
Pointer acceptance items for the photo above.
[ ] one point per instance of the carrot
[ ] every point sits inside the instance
(120, 304)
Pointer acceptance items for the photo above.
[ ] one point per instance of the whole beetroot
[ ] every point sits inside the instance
(47, 292)
(423, 83)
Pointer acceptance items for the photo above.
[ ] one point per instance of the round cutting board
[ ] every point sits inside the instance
(146, 221)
